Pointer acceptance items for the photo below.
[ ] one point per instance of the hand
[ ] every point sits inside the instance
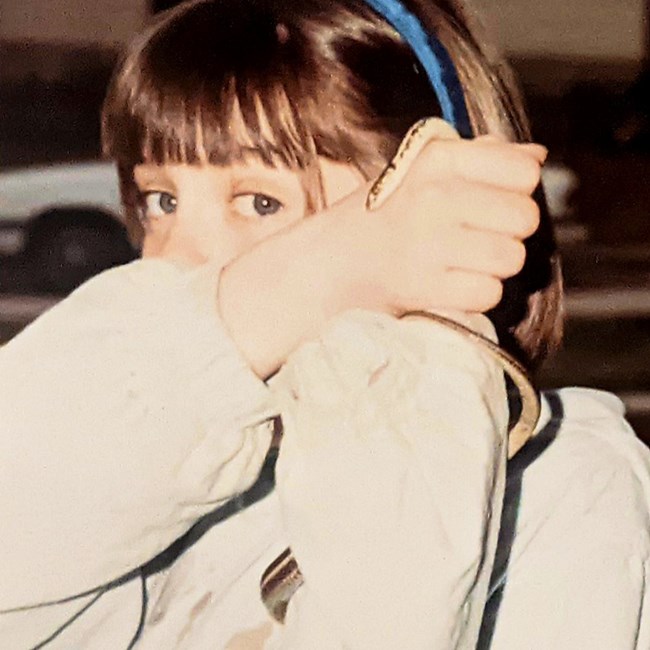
(446, 238)
(453, 230)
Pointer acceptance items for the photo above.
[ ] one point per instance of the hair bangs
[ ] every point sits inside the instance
(195, 92)
(160, 127)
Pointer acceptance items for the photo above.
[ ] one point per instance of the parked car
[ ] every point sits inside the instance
(65, 219)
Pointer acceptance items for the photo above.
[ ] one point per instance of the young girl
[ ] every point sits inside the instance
(246, 135)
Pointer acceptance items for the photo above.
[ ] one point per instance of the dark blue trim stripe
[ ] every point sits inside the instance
(434, 59)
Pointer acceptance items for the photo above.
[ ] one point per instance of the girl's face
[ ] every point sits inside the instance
(198, 213)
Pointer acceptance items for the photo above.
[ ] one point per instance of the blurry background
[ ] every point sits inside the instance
(585, 69)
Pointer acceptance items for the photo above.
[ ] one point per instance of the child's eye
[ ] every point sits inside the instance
(256, 205)
(158, 204)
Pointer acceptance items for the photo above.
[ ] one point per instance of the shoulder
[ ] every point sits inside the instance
(587, 428)
(574, 547)
(585, 468)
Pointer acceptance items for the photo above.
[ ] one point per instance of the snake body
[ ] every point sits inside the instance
(417, 138)
(283, 576)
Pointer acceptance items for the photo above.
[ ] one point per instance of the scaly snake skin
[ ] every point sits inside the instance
(283, 577)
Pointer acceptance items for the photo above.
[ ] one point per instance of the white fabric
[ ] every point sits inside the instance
(126, 413)
(579, 570)
(394, 450)
(578, 574)
(147, 406)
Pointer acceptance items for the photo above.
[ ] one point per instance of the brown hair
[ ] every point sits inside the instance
(291, 80)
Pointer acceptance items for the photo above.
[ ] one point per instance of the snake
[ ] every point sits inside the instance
(283, 577)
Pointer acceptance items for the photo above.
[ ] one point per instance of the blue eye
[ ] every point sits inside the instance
(256, 205)
(265, 205)
(158, 204)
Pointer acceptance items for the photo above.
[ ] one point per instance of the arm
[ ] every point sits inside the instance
(447, 237)
(390, 476)
(123, 420)
(128, 412)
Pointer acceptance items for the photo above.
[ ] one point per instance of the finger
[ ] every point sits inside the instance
(481, 207)
(506, 165)
(487, 253)
(536, 150)
(466, 291)
(488, 208)
(492, 254)
(500, 164)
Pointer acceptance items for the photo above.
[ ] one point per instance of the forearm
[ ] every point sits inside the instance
(391, 476)
(126, 413)
(282, 292)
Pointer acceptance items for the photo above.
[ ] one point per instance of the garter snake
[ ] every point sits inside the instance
(283, 578)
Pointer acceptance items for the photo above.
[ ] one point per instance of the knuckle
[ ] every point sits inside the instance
(435, 201)
(507, 256)
(490, 292)
(493, 137)
(438, 156)
(531, 173)
(439, 194)
(530, 216)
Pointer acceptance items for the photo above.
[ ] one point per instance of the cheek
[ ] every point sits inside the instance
(193, 241)
(152, 246)
(181, 247)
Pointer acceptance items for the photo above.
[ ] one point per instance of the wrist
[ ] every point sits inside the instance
(281, 292)
(357, 245)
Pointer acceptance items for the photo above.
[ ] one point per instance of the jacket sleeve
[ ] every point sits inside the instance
(390, 478)
(125, 414)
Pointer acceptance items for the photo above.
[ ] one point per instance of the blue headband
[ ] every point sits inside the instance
(434, 59)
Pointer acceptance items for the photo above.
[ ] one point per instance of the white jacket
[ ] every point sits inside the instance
(147, 419)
